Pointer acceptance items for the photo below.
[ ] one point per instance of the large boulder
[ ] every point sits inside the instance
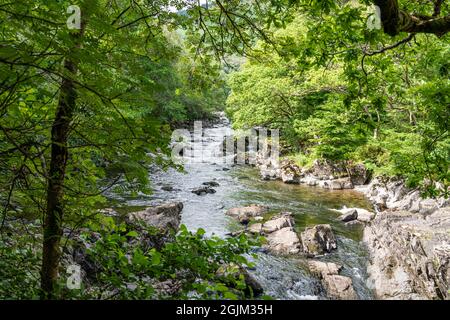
(165, 216)
(326, 169)
(290, 172)
(284, 241)
(244, 214)
(278, 222)
(318, 240)
(337, 286)
(322, 269)
(409, 255)
(359, 175)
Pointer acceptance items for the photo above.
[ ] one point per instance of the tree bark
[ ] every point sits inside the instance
(395, 20)
(55, 186)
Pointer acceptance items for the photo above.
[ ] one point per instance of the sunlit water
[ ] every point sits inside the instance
(282, 278)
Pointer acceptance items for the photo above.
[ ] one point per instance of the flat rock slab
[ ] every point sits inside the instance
(277, 223)
(322, 269)
(283, 241)
(166, 216)
(244, 214)
(339, 287)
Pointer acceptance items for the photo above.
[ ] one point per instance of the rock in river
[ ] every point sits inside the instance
(278, 222)
(290, 172)
(244, 214)
(362, 215)
(283, 241)
(318, 240)
(211, 184)
(203, 191)
(166, 216)
(255, 228)
(349, 215)
(322, 269)
(337, 286)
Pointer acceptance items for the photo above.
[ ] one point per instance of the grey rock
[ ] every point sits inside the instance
(284, 241)
(362, 215)
(318, 240)
(321, 269)
(290, 172)
(349, 216)
(337, 286)
(278, 222)
(359, 175)
(409, 255)
(203, 191)
(255, 228)
(244, 214)
(166, 216)
(211, 184)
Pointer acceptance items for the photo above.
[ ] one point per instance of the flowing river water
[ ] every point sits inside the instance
(281, 277)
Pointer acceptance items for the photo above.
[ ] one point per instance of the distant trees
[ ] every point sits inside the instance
(338, 91)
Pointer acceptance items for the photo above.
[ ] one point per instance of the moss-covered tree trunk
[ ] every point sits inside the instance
(55, 188)
(396, 20)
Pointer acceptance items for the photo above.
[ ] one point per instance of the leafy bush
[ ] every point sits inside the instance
(189, 266)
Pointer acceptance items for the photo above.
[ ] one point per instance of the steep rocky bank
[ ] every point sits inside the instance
(410, 254)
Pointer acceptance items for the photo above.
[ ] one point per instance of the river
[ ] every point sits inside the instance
(282, 278)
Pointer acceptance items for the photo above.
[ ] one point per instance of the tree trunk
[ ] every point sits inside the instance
(55, 188)
(395, 20)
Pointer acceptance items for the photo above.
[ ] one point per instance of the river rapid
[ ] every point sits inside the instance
(240, 185)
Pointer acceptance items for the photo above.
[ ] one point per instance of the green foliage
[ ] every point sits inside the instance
(334, 96)
(20, 260)
(193, 266)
